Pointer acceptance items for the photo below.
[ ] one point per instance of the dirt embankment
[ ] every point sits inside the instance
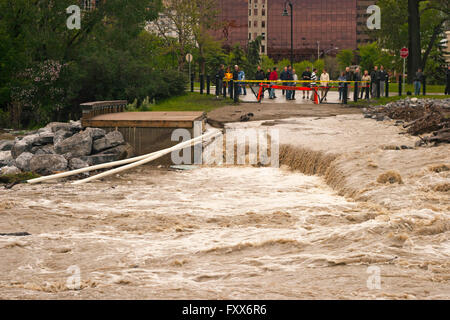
(274, 111)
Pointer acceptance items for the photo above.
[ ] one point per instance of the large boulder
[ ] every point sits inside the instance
(112, 139)
(99, 159)
(26, 143)
(74, 127)
(23, 161)
(10, 170)
(22, 145)
(47, 149)
(96, 133)
(6, 145)
(62, 135)
(76, 146)
(43, 138)
(121, 152)
(76, 163)
(6, 158)
(48, 163)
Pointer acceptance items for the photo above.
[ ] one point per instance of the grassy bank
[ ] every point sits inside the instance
(382, 101)
(18, 178)
(191, 101)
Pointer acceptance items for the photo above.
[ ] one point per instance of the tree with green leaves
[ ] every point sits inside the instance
(345, 58)
(253, 57)
(47, 70)
(416, 24)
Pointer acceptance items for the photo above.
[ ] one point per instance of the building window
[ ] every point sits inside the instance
(249, 12)
(263, 49)
(263, 24)
(255, 24)
(263, 36)
(255, 35)
(255, 12)
(263, 12)
(87, 5)
(249, 36)
(249, 24)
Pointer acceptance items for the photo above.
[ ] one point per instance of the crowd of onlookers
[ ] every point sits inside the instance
(364, 83)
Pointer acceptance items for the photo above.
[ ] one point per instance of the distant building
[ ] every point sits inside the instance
(320, 26)
(362, 33)
(89, 5)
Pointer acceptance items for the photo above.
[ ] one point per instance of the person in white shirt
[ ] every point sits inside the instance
(295, 76)
(324, 77)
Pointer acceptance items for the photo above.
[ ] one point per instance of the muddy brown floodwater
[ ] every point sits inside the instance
(321, 226)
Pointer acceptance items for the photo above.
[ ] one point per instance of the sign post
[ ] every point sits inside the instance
(404, 53)
(189, 59)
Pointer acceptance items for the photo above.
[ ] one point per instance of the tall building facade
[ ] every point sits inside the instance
(320, 26)
(362, 33)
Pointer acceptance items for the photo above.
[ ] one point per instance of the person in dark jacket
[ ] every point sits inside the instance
(219, 80)
(289, 77)
(447, 87)
(306, 75)
(374, 77)
(260, 76)
(382, 76)
(418, 82)
(357, 77)
(348, 77)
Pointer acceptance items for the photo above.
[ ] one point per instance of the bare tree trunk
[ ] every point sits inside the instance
(415, 54)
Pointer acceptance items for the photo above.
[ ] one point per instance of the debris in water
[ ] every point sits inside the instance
(390, 177)
(15, 234)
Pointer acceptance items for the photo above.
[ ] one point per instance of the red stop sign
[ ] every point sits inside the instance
(404, 53)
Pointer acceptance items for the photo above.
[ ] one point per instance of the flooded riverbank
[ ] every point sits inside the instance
(242, 232)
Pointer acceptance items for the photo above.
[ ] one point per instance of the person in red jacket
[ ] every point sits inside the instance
(273, 77)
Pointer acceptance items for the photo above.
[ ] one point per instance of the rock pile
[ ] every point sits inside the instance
(418, 117)
(60, 147)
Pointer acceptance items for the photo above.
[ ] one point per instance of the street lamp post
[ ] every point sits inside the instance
(285, 14)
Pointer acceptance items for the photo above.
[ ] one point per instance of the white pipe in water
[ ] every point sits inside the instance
(151, 157)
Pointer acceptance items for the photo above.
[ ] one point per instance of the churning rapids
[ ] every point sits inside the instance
(242, 232)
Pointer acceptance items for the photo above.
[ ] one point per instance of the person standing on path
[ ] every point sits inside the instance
(341, 85)
(290, 78)
(357, 78)
(228, 77)
(366, 85)
(374, 81)
(348, 78)
(273, 77)
(242, 86)
(260, 76)
(313, 84)
(284, 76)
(325, 78)
(447, 87)
(268, 74)
(220, 75)
(418, 82)
(294, 84)
(306, 75)
(382, 76)
(235, 81)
